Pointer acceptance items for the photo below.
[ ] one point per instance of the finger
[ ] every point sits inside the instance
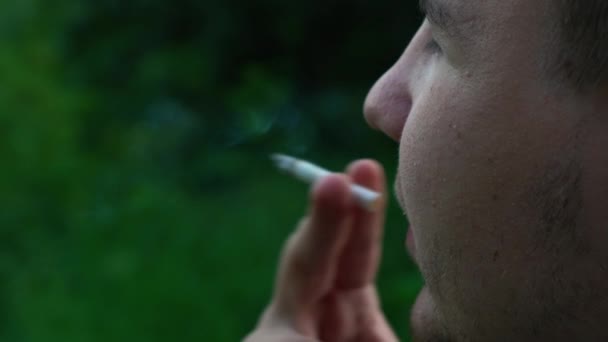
(376, 327)
(309, 261)
(332, 323)
(361, 254)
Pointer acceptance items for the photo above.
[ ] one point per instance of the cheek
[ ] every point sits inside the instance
(445, 150)
(467, 156)
(440, 175)
(435, 171)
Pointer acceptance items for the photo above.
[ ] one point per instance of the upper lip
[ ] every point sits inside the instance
(397, 190)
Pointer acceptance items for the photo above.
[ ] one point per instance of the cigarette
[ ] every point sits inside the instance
(310, 173)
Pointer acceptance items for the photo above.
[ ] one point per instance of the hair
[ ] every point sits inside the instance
(582, 56)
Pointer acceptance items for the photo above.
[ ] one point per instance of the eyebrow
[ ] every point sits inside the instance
(438, 13)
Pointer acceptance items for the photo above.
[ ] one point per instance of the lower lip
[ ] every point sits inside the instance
(410, 243)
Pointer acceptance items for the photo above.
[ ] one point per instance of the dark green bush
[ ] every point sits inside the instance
(138, 201)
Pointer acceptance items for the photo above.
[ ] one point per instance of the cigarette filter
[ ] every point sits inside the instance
(310, 173)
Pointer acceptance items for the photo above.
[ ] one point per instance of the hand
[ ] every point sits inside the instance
(325, 284)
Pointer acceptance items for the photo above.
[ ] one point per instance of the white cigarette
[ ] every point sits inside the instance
(310, 173)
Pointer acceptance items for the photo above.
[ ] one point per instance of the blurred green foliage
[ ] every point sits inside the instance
(138, 200)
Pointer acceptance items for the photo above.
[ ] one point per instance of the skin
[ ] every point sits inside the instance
(503, 175)
(325, 284)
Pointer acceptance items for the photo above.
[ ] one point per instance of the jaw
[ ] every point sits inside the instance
(425, 320)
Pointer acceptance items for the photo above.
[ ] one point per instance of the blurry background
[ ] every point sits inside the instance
(138, 201)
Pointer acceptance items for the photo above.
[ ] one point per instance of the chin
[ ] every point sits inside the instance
(425, 320)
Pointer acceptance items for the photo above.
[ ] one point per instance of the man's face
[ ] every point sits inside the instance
(500, 175)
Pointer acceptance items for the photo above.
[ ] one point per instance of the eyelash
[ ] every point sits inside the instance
(432, 46)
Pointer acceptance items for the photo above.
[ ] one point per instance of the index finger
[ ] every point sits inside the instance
(360, 256)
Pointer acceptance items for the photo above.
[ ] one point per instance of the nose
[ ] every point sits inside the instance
(389, 102)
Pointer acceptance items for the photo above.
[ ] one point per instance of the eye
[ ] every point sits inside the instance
(432, 46)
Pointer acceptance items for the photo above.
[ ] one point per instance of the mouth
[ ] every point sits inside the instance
(410, 243)
(398, 195)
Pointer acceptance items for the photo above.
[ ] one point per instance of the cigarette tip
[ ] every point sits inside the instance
(374, 204)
